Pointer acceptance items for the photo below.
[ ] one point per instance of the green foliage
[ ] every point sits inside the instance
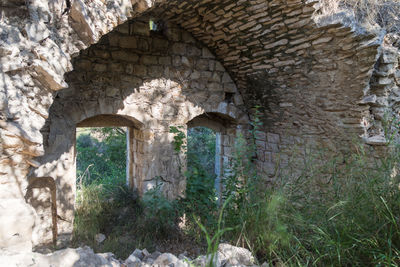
(104, 208)
(179, 138)
(213, 242)
(349, 217)
(339, 212)
(200, 198)
(127, 222)
(105, 205)
(332, 214)
(254, 212)
(102, 158)
(201, 145)
(161, 214)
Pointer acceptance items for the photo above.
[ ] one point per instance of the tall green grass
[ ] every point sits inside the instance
(332, 211)
(127, 221)
(332, 214)
(341, 210)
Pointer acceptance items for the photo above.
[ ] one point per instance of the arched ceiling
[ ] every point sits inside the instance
(306, 77)
(282, 60)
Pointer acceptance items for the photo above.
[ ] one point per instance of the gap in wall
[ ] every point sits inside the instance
(203, 156)
(101, 155)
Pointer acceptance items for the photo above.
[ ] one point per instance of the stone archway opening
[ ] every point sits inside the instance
(126, 128)
(212, 136)
(202, 157)
(101, 155)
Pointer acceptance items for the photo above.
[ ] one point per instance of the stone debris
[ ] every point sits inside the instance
(235, 256)
(79, 257)
(227, 256)
(100, 238)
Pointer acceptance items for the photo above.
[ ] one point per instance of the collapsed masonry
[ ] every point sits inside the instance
(320, 81)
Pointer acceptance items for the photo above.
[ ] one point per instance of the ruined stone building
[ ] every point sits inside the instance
(320, 81)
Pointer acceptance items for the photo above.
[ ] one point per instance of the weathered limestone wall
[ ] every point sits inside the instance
(156, 80)
(311, 76)
(36, 46)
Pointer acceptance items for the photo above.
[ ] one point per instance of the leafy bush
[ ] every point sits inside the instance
(201, 149)
(350, 217)
(160, 214)
(102, 158)
(99, 209)
(104, 204)
(200, 200)
(332, 214)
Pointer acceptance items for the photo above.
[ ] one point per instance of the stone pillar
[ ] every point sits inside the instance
(130, 159)
(160, 164)
(218, 164)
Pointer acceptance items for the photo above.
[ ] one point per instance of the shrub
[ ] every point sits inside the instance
(200, 200)
(102, 158)
(200, 196)
(339, 212)
(160, 214)
(351, 218)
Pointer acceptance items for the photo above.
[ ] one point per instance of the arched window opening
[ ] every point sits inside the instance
(105, 147)
(201, 156)
(101, 155)
(157, 26)
(210, 138)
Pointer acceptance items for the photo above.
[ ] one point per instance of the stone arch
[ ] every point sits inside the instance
(146, 81)
(226, 129)
(59, 163)
(133, 138)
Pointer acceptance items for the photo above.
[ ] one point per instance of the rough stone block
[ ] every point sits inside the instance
(202, 64)
(140, 70)
(164, 60)
(272, 147)
(269, 168)
(128, 42)
(179, 49)
(273, 138)
(160, 44)
(82, 23)
(155, 71)
(143, 45)
(125, 56)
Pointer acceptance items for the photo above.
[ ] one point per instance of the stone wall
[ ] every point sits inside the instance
(308, 73)
(154, 79)
(37, 43)
(320, 81)
(382, 96)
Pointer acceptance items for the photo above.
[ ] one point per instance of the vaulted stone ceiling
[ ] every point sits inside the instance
(306, 76)
(282, 60)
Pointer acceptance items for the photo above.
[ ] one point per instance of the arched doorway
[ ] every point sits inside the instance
(223, 128)
(129, 127)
